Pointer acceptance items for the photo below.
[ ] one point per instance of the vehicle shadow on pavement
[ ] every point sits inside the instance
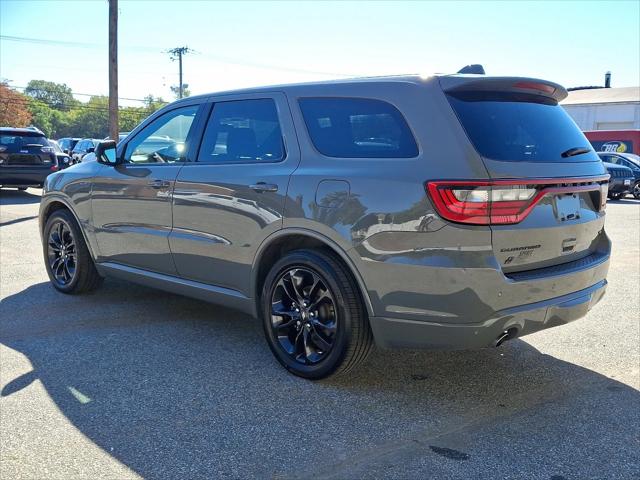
(17, 197)
(177, 388)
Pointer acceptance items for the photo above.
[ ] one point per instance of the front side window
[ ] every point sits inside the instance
(243, 131)
(357, 128)
(164, 140)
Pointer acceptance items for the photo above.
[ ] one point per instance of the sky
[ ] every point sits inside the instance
(240, 44)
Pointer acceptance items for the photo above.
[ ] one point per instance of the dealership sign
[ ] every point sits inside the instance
(613, 146)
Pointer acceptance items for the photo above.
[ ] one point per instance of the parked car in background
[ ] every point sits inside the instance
(450, 212)
(64, 160)
(26, 158)
(84, 146)
(628, 160)
(67, 144)
(621, 181)
(121, 136)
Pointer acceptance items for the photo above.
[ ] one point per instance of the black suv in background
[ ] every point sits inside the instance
(621, 181)
(84, 146)
(628, 160)
(26, 158)
(67, 144)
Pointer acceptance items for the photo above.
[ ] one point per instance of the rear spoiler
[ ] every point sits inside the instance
(534, 86)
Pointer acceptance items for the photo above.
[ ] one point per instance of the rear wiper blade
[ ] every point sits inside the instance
(575, 151)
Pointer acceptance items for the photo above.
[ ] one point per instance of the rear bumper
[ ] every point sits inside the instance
(525, 319)
(618, 186)
(24, 176)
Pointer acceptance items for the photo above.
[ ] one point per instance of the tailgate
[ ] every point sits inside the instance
(547, 186)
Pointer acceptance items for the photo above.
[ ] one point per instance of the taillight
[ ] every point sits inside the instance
(502, 202)
(54, 168)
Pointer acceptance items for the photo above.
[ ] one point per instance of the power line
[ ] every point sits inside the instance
(217, 58)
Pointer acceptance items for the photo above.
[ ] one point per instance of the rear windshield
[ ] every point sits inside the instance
(357, 128)
(20, 142)
(516, 127)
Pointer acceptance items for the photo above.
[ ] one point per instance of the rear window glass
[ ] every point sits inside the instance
(519, 127)
(17, 142)
(357, 128)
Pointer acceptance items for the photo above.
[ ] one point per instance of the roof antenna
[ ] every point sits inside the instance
(476, 68)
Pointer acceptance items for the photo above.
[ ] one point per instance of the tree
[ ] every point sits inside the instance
(91, 119)
(13, 108)
(175, 89)
(56, 95)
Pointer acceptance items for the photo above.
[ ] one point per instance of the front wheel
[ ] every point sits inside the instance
(313, 317)
(67, 258)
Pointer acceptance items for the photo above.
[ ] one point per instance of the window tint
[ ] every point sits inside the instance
(243, 131)
(164, 139)
(518, 127)
(357, 128)
(16, 142)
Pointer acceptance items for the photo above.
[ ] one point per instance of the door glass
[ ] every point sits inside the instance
(243, 131)
(164, 140)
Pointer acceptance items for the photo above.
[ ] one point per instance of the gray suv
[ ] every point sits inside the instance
(449, 212)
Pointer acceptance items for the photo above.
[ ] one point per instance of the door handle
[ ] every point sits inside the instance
(159, 184)
(264, 187)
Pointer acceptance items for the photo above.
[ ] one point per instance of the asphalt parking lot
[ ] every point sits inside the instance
(130, 382)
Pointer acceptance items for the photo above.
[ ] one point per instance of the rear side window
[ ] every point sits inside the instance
(357, 128)
(517, 127)
(243, 131)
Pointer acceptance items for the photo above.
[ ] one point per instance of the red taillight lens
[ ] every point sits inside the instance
(502, 202)
(482, 203)
(54, 168)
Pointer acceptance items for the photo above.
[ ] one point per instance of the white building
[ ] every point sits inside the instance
(605, 108)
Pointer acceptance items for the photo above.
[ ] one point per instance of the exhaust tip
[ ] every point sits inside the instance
(509, 334)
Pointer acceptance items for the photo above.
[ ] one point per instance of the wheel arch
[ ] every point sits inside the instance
(49, 206)
(291, 239)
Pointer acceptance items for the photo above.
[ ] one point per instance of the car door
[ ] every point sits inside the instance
(232, 196)
(131, 201)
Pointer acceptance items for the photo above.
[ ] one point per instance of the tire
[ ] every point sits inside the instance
(615, 196)
(636, 191)
(82, 274)
(338, 318)
(22, 189)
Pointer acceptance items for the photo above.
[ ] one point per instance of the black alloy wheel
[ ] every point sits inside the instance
(68, 261)
(303, 315)
(61, 253)
(636, 191)
(314, 318)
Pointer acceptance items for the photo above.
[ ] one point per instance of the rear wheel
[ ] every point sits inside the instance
(313, 317)
(636, 191)
(67, 258)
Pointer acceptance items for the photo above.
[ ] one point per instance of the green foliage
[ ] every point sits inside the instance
(56, 95)
(52, 108)
(175, 89)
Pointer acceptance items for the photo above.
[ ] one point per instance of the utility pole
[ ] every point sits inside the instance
(177, 53)
(113, 69)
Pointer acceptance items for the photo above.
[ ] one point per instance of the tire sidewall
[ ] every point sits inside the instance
(317, 264)
(70, 222)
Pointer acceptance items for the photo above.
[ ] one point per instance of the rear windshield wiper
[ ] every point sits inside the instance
(575, 151)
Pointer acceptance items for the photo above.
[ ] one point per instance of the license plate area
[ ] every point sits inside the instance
(566, 207)
(627, 181)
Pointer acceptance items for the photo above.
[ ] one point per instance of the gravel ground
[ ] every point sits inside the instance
(130, 382)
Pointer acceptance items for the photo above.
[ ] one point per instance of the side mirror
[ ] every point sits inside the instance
(106, 152)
